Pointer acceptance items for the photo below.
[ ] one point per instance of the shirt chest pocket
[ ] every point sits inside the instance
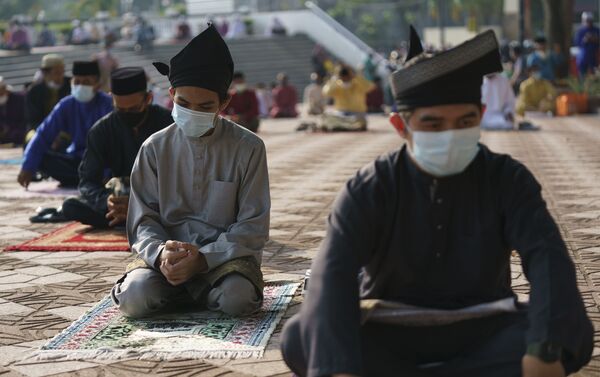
(221, 203)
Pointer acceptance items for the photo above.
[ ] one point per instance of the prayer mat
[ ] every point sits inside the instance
(43, 189)
(104, 333)
(12, 161)
(76, 237)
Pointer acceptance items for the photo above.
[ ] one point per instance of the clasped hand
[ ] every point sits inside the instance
(180, 261)
(117, 209)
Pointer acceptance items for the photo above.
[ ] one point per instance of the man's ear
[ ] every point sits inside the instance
(172, 93)
(98, 84)
(398, 123)
(149, 97)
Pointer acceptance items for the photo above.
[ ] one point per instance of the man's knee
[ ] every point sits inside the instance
(76, 209)
(71, 208)
(234, 296)
(291, 346)
(141, 293)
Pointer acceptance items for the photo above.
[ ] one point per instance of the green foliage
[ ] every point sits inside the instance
(10, 8)
(88, 8)
(591, 85)
(575, 85)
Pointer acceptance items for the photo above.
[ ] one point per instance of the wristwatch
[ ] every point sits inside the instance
(546, 351)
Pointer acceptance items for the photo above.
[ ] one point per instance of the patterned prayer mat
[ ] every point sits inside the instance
(76, 237)
(104, 333)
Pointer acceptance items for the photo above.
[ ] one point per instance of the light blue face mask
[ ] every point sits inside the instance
(82, 93)
(192, 123)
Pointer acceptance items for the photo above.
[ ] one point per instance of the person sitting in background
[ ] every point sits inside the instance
(541, 58)
(237, 29)
(144, 35)
(349, 93)
(369, 68)
(265, 99)
(276, 28)
(536, 93)
(107, 63)
(183, 31)
(314, 100)
(44, 95)
(243, 105)
(588, 41)
(75, 115)
(375, 97)
(113, 143)
(46, 37)
(19, 38)
(285, 98)
(79, 35)
(222, 26)
(499, 100)
(519, 66)
(12, 115)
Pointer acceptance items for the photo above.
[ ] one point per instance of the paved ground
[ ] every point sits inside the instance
(41, 293)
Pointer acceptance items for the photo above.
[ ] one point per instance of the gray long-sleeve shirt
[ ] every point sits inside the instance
(212, 191)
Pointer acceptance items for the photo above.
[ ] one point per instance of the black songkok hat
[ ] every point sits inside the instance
(86, 68)
(128, 80)
(450, 77)
(204, 62)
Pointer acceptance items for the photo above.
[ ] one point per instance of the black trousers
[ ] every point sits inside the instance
(490, 347)
(61, 167)
(77, 209)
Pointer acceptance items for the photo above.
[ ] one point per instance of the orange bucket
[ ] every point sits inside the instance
(571, 103)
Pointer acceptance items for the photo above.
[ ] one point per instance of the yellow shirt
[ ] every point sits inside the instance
(535, 95)
(351, 97)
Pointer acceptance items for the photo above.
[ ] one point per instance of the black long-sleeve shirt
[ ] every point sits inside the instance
(39, 101)
(113, 145)
(439, 243)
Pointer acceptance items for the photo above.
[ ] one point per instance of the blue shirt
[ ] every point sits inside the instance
(588, 50)
(546, 64)
(72, 117)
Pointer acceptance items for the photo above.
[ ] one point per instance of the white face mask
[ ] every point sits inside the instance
(53, 85)
(82, 93)
(192, 123)
(3, 99)
(240, 87)
(445, 153)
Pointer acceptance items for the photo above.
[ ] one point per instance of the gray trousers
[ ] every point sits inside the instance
(144, 292)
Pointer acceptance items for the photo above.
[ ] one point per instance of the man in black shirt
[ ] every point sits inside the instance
(413, 277)
(44, 95)
(112, 146)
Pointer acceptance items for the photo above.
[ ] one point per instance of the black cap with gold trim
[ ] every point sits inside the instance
(450, 77)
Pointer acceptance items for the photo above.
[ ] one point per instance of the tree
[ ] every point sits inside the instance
(88, 8)
(10, 8)
(558, 16)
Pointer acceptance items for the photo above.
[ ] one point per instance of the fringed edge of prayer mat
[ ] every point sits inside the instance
(114, 354)
(120, 355)
(26, 246)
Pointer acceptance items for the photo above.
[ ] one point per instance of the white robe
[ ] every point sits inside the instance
(499, 99)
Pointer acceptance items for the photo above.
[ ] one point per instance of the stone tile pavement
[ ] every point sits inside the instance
(42, 293)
